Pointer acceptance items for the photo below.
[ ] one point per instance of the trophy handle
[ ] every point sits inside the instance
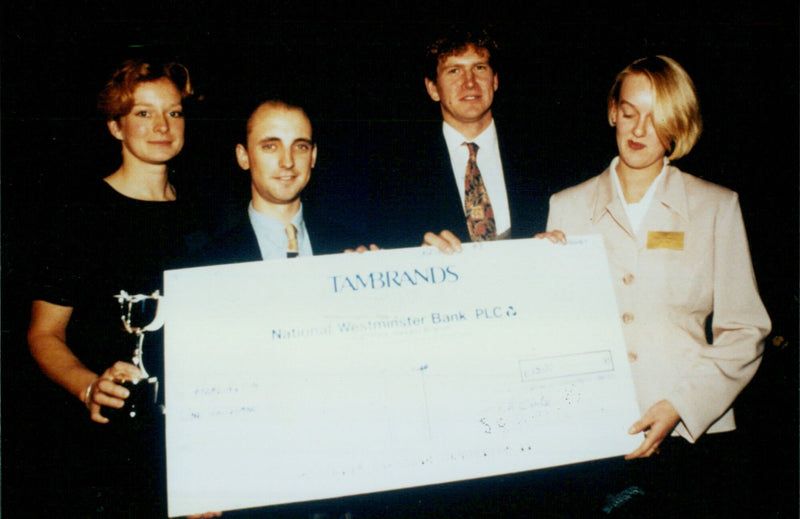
(158, 320)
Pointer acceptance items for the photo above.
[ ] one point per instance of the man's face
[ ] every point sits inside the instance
(280, 155)
(465, 86)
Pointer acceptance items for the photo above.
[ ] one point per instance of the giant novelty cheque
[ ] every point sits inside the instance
(326, 376)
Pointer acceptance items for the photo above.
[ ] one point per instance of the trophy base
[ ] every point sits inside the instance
(140, 406)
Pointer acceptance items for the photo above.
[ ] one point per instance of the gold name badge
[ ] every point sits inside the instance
(672, 240)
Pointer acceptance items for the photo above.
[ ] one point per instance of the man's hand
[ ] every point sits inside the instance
(363, 248)
(445, 241)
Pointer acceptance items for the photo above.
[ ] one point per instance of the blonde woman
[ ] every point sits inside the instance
(678, 255)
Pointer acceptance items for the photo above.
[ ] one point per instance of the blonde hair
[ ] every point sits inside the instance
(676, 114)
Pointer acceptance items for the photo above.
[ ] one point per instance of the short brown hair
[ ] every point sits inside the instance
(116, 98)
(456, 40)
(676, 114)
(275, 103)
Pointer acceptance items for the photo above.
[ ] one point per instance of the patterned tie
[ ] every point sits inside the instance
(478, 209)
(291, 233)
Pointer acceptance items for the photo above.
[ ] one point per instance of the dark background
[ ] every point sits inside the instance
(357, 70)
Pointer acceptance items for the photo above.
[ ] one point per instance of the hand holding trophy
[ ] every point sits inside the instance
(139, 314)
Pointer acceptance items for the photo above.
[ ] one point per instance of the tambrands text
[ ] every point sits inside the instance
(393, 279)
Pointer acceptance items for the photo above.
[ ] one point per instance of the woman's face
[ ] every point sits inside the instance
(152, 132)
(640, 149)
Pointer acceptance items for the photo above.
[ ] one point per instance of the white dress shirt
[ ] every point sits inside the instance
(636, 210)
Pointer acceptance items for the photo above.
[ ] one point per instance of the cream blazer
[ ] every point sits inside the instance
(689, 261)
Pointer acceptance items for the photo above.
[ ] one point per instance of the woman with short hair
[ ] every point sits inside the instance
(679, 256)
(118, 235)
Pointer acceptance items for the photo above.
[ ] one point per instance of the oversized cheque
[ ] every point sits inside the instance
(353, 373)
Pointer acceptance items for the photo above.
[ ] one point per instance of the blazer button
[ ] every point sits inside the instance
(627, 278)
(627, 318)
(632, 356)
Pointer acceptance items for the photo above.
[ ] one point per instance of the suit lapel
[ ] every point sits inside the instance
(526, 185)
(244, 238)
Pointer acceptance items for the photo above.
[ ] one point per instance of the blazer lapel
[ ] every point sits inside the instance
(669, 208)
(672, 193)
(526, 183)
(608, 203)
(443, 192)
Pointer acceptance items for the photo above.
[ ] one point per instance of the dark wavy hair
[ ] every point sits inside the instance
(454, 41)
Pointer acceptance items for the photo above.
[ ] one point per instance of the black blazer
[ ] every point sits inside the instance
(238, 242)
(414, 192)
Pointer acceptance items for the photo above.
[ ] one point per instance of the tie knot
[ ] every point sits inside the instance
(473, 149)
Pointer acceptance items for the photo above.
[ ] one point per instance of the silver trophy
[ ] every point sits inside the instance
(139, 314)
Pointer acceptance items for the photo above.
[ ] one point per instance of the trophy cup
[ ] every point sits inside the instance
(139, 314)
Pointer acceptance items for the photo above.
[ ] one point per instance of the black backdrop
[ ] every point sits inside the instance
(358, 72)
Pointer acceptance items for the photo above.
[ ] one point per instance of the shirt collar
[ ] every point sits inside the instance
(650, 194)
(671, 192)
(270, 224)
(487, 139)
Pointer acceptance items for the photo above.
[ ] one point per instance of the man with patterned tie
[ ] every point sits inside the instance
(439, 184)
(462, 179)
(280, 153)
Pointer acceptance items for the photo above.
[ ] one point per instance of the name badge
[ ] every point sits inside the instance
(672, 240)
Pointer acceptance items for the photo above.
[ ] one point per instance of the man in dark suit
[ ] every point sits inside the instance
(420, 195)
(280, 153)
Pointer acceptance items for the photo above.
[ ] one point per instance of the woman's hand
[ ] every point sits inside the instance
(554, 236)
(656, 423)
(106, 391)
(47, 337)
